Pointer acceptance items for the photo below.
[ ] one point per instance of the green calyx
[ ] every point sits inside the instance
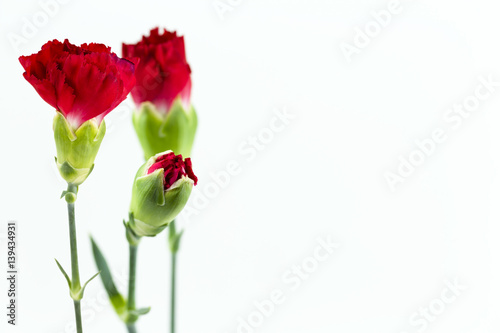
(132, 237)
(152, 207)
(77, 150)
(158, 132)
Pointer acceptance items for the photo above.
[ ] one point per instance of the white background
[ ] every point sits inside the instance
(321, 176)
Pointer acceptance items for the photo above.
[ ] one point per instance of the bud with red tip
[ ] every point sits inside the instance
(161, 190)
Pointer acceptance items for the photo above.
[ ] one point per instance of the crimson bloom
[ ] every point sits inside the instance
(163, 73)
(81, 82)
(174, 168)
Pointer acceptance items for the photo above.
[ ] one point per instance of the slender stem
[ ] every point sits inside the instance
(131, 328)
(75, 272)
(174, 239)
(172, 293)
(131, 286)
(132, 273)
(78, 315)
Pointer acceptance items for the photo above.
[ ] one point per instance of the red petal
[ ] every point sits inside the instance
(83, 82)
(163, 73)
(174, 168)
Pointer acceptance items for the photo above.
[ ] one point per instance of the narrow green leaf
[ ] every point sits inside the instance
(140, 312)
(86, 283)
(64, 273)
(116, 299)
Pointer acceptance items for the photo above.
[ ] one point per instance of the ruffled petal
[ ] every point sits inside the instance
(163, 73)
(82, 82)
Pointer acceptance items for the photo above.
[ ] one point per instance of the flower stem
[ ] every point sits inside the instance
(174, 239)
(78, 316)
(132, 273)
(172, 292)
(75, 272)
(131, 328)
(131, 286)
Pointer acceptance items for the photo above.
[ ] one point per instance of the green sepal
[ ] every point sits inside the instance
(158, 131)
(117, 300)
(70, 194)
(131, 236)
(77, 150)
(144, 229)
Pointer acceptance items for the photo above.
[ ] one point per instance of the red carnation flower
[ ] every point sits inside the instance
(81, 82)
(163, 73)
(174, 168)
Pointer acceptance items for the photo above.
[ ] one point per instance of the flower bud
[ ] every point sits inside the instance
(76, 150)
(161, 190)
(159, 131)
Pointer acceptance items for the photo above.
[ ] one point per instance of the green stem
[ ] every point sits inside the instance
(132, 273)
(172, 292)
(131, 328)
(75, 272)
(78, 316)
(131, 286)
